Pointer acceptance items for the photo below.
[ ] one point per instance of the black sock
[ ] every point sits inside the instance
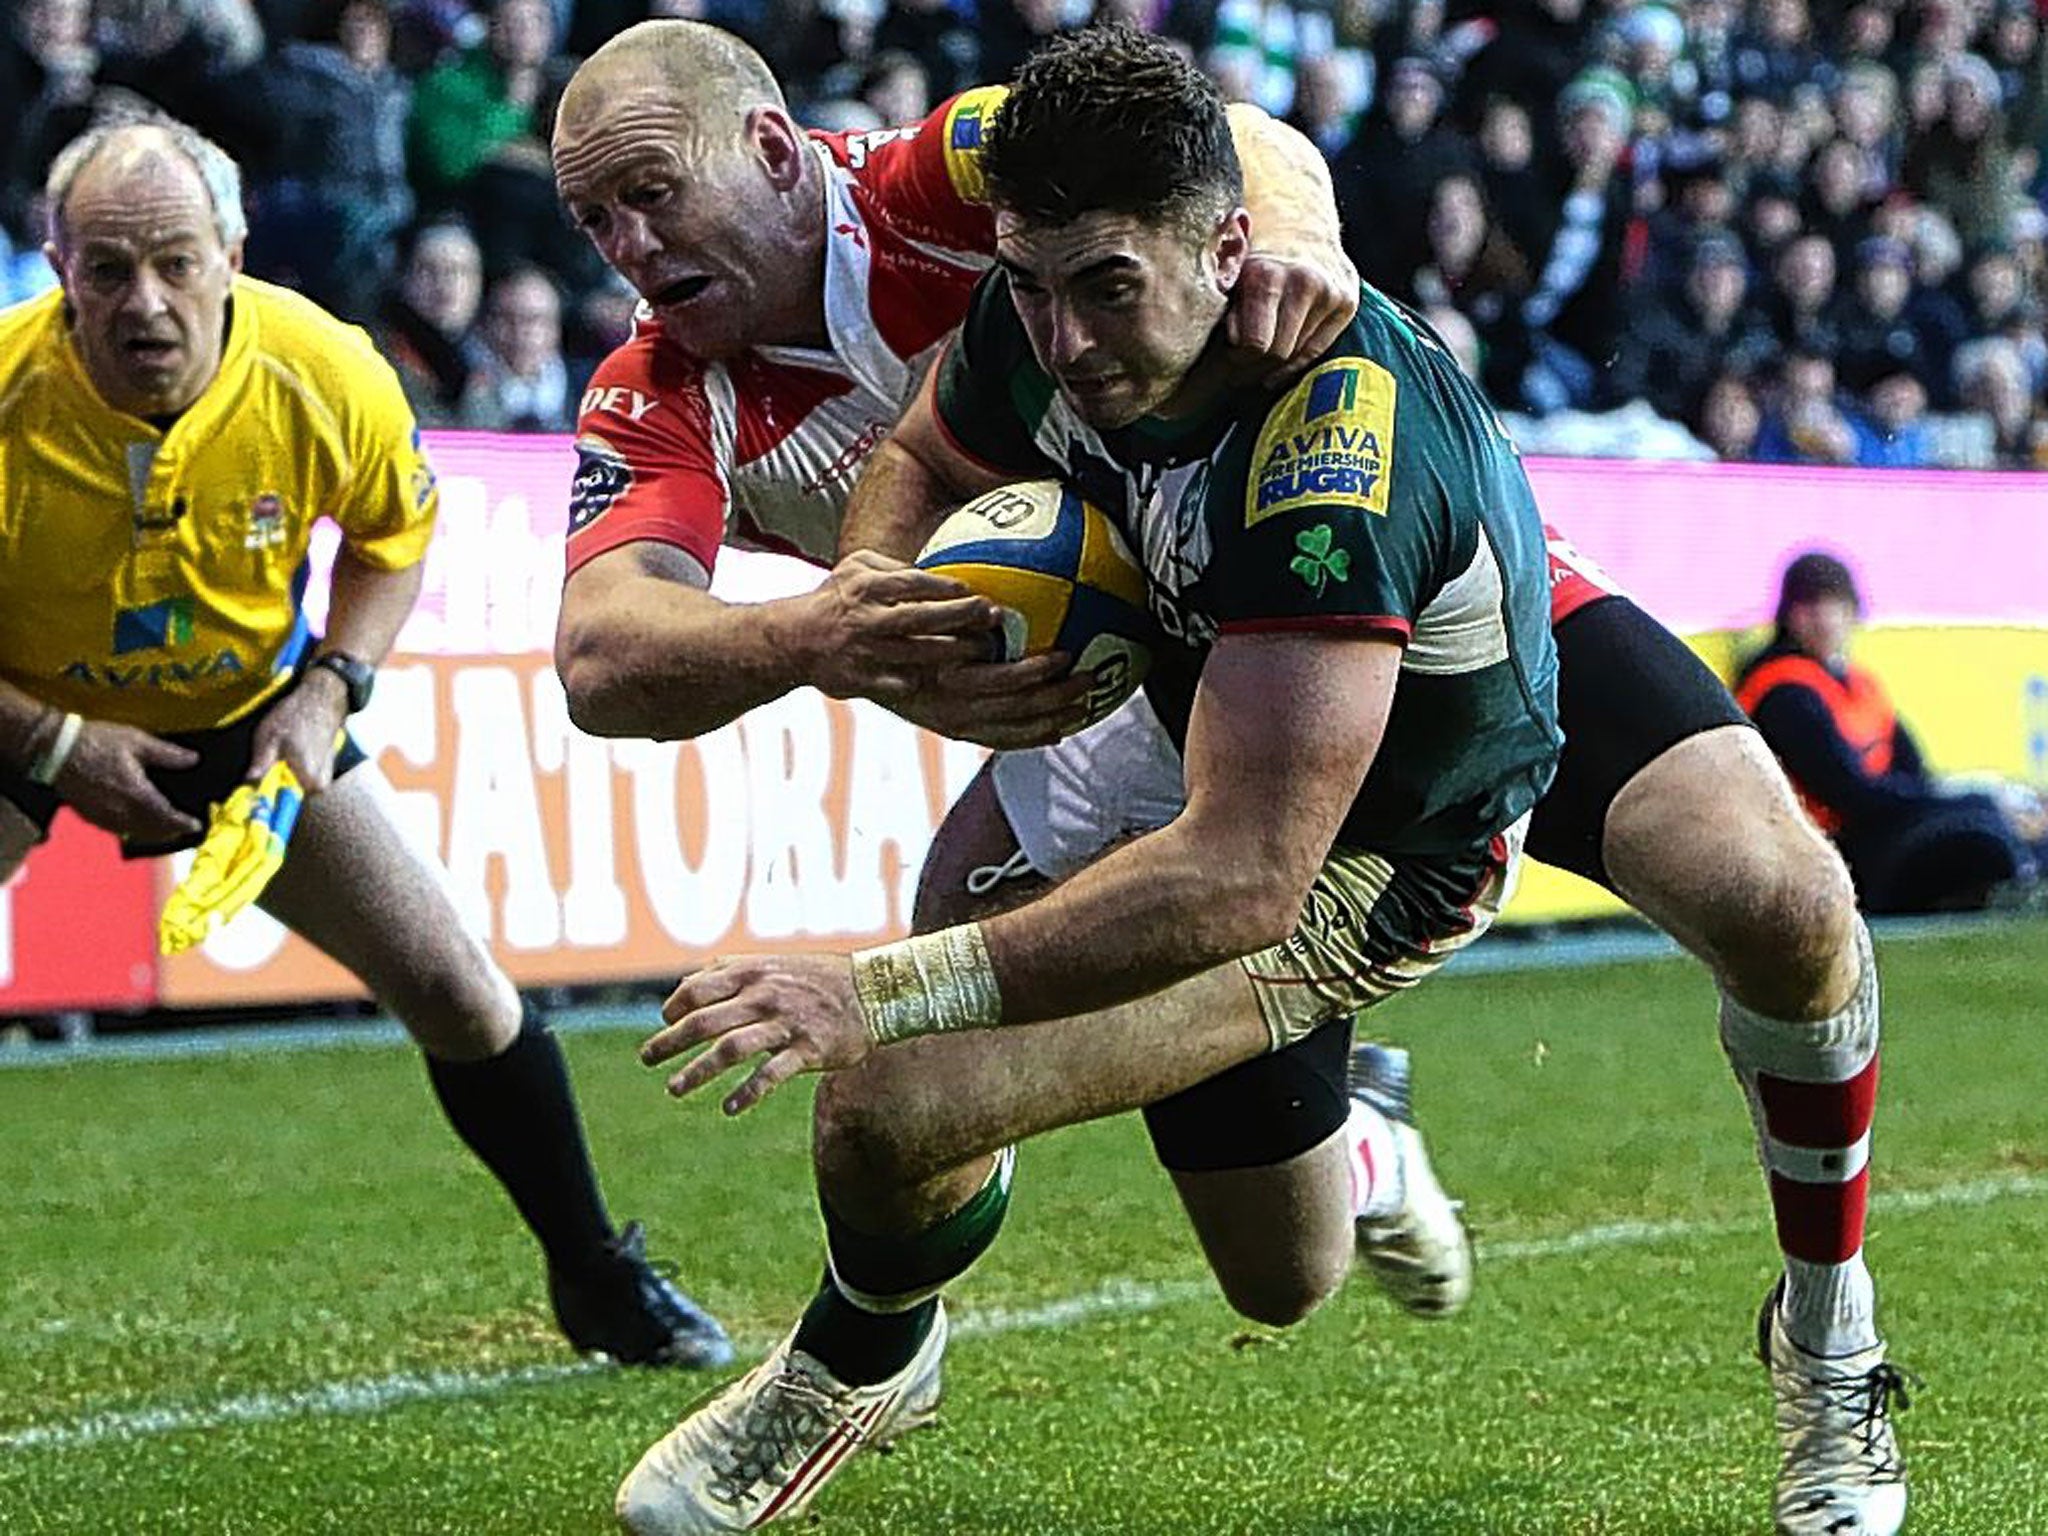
(858, 1346)
(880, 1295)
(515, 1111)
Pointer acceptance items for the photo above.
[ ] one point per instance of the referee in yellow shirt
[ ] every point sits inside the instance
(169, 432)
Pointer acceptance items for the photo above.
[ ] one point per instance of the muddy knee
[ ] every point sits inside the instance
(875, 1165)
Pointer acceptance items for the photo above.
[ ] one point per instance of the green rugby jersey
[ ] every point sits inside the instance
(1377, 494)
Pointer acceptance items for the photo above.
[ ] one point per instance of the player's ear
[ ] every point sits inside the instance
(234, 255)
(1229, 245)
(780, 144)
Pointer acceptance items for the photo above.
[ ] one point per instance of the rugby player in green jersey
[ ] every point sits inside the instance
(1362, 683)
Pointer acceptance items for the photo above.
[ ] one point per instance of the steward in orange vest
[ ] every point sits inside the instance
(1910, 845)
(1853, 708)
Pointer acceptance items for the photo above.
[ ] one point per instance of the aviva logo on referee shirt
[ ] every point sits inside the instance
(156, 627)
(1326, 443)
(160, 626)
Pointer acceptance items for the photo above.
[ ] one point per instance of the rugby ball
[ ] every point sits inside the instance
(1063, 576)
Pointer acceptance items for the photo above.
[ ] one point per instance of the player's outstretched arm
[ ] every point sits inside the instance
(1285, 728)
(1299, 290)
(645, 650)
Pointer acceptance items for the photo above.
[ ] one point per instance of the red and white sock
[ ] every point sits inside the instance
(1377, 1187)
(1812, 1091)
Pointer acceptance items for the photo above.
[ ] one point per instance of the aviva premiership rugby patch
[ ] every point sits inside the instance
(1328, 443)
(602, 477)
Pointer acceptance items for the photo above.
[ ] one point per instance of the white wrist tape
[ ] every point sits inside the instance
(44, 770)
(930, 984)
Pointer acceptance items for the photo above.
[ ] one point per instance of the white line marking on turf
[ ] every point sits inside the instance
(1114, 1298)
(324, 1399)
(1507, 954)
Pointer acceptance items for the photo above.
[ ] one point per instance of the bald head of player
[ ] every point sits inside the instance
(676, 154)
(146, 230)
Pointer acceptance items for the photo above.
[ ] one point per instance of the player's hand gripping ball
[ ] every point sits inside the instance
(1064, 578)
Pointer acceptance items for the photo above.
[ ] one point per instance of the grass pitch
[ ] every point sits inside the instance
(267, 1292)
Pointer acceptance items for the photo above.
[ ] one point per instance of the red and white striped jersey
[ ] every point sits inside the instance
(762, 451)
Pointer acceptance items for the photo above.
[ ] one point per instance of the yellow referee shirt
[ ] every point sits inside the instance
(154, 577)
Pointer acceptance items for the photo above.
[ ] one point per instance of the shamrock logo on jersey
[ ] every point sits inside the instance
(1318, 564)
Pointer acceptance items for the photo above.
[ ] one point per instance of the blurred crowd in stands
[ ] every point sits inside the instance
(1801, 231)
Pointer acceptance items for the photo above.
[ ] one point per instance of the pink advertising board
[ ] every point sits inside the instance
(581, 860)
(1701, 545)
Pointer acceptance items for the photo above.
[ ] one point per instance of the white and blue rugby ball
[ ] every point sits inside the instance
(1064, 577)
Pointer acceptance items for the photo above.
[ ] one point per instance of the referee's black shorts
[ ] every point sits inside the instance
(224, 754)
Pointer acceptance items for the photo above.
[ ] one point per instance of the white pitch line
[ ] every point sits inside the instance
(1628, 944)
(1114, 1298)
(323, 1400)
(1636, 1234)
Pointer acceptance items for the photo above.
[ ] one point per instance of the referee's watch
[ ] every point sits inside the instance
(358, 677)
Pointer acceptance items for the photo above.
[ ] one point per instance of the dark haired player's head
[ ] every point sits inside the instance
(1119, 217)
(1111, 120)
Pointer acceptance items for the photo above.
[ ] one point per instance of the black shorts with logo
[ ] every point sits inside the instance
(223, 764)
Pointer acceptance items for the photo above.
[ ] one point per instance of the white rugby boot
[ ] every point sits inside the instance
(1840, 1472)
(760, 1450)
(1420, 1253)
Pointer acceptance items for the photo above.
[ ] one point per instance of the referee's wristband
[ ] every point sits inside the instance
(45, 768)
(929, 984)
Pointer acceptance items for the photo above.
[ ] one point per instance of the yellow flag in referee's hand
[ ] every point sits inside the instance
(244, 847)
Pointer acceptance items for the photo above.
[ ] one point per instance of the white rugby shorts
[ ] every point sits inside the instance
(1069, 802)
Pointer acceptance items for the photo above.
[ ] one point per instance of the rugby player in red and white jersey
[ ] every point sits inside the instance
(803, 280)
(797, 286)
